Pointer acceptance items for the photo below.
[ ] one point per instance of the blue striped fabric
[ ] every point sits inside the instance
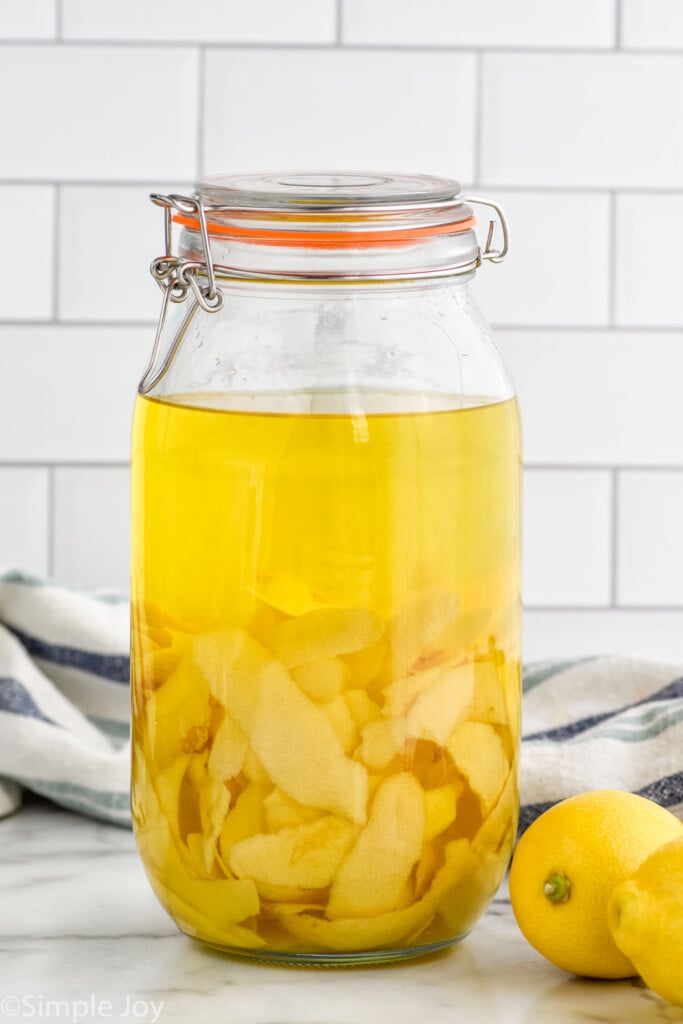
(602, 722)
(16, 700)
(64, 712)
(114, 667)
(572, 729)
(64, 697)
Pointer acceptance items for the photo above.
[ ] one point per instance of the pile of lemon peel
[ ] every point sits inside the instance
(326, 778)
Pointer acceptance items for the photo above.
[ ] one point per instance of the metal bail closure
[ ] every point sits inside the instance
(177, 276)
(489, 253)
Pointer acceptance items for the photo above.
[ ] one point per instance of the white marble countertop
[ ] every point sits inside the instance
(82, 938)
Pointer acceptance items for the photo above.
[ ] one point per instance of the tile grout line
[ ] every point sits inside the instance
(614, 539)
(612, 262)
(339, 23)
(478, 97)
(564, 467)
(601, 467)
(91, 183)
(50, 520)
(522, 51)
(201, 92)
(63, 464)
(54, 321)
(618, 22)
(591, 609)
(56, 215)
(533, 467)
(60, 463)
(530, 189)
(59, 20)
(590, 328)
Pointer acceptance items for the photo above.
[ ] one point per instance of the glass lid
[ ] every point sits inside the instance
(333, 191)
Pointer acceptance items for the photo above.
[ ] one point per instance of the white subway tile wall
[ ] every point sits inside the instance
(30, 19)
(652, 24)
(647, 264)
(27, 216)
(524, 23)
(646, 633)
(92, 525)
(106, 113)
(215, 21)
(112, 224)
(598, 398)
(67, 391)
(567, 537)
(568, 114)
(650, 544)
(25, 518)
(340, 108)
(592, 120)
(571, 288)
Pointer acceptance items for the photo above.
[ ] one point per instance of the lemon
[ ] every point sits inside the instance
(645, 917)
(565, 867)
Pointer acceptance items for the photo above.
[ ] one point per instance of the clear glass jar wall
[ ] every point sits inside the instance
(325, 575)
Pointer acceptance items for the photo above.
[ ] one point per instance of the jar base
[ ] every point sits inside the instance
(369, 958)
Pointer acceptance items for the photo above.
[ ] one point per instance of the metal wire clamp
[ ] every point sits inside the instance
(175, 276)
(488, 252)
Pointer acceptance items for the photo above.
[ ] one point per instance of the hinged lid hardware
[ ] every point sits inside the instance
(177, 276)
(489, 253)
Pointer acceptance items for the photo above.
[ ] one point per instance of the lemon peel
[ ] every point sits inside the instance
(645, 918)
(565, 867)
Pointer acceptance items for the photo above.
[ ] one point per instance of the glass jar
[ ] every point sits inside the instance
(325, 571)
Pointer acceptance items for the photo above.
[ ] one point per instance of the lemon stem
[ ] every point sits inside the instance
(556, 888)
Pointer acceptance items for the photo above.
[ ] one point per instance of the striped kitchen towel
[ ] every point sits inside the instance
(64, 697)
(601, 723)
(590, 723)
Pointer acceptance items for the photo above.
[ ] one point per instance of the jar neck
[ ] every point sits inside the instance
(433, 256)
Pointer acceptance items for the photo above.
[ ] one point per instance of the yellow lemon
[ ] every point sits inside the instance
(645, 917)
(565, 867)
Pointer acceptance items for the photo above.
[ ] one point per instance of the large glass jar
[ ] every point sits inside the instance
(325, 571)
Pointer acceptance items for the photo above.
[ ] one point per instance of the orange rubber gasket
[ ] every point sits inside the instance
(326, 239)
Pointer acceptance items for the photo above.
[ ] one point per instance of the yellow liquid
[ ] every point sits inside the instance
(325, 672)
